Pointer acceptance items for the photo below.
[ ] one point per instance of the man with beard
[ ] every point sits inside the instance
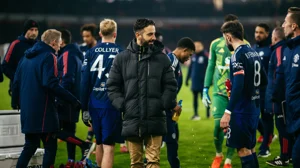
(182, 53)
(241, 116)
(266, 125)
(17, 48)
(142, 85)
(197, 71)
(290, 74)
(89, 37)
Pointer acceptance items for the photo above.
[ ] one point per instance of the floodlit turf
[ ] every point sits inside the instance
(196, 147)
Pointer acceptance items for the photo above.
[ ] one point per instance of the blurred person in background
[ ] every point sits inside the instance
(89, 33)
(69, 72)
(266, 124)
(17, 48)
(159, 36)
(196, 72)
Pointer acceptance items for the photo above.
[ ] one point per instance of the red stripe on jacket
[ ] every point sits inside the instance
(278, 55)
(45, 110)
(65, 62)
(10, 50)
(55, 65)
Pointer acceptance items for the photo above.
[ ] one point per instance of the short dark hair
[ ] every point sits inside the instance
(279, 33)
(265, 26)
(66, 36)
(295, 14)
(91, 28)
(142, 23)
(157, 34)
(235, 28)
(230, 17)
(186, 42)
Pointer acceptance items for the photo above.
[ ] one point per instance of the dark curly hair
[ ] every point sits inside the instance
(140, 24)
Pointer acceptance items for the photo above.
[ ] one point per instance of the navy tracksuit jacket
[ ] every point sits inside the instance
(69, 72)
(291, 69)
(35, 87)
(274, 64)
(197, 70)
(14, 54)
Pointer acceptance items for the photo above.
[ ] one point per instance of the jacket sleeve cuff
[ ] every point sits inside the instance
(228, 111)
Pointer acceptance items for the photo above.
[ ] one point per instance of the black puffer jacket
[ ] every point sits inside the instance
(141, 84)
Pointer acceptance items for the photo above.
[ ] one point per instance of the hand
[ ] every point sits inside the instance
(177, 110)
(224, 123)
(186, 83)
(206, 100)
(86, 118)
(9, 92)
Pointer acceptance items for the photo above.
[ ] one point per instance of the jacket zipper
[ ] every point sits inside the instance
(138, 67)
(148, 67)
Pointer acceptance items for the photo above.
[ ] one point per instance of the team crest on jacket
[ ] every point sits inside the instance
(296, 59)
(261, 53)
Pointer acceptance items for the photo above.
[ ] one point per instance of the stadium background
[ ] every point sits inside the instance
(198, 19)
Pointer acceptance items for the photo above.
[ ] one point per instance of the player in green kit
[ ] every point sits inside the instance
(217, 72)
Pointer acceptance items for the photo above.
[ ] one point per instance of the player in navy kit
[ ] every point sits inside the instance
(105, 118)
(89, 37)
(242, 113)
(88, 33)
(184, 50)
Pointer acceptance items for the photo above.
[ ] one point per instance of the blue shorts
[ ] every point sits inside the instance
(107, 125)
(242, 131)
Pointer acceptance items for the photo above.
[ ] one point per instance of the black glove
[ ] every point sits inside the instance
(86, 118)
(9, 92)
(186, 83)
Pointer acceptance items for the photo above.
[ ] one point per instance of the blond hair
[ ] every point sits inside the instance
(51, 35)
(108, 27)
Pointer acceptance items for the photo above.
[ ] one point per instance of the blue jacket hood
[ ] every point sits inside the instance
(280, 43)
(38, 48)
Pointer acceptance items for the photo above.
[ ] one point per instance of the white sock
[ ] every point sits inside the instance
(228, 161)
(219, 154)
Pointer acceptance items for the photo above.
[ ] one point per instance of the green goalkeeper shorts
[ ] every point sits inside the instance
(219, 104)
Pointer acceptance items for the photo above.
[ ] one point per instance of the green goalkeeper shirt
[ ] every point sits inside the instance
(218, 66)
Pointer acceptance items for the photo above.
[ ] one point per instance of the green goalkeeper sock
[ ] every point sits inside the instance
(230, 152)
(218, 136)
